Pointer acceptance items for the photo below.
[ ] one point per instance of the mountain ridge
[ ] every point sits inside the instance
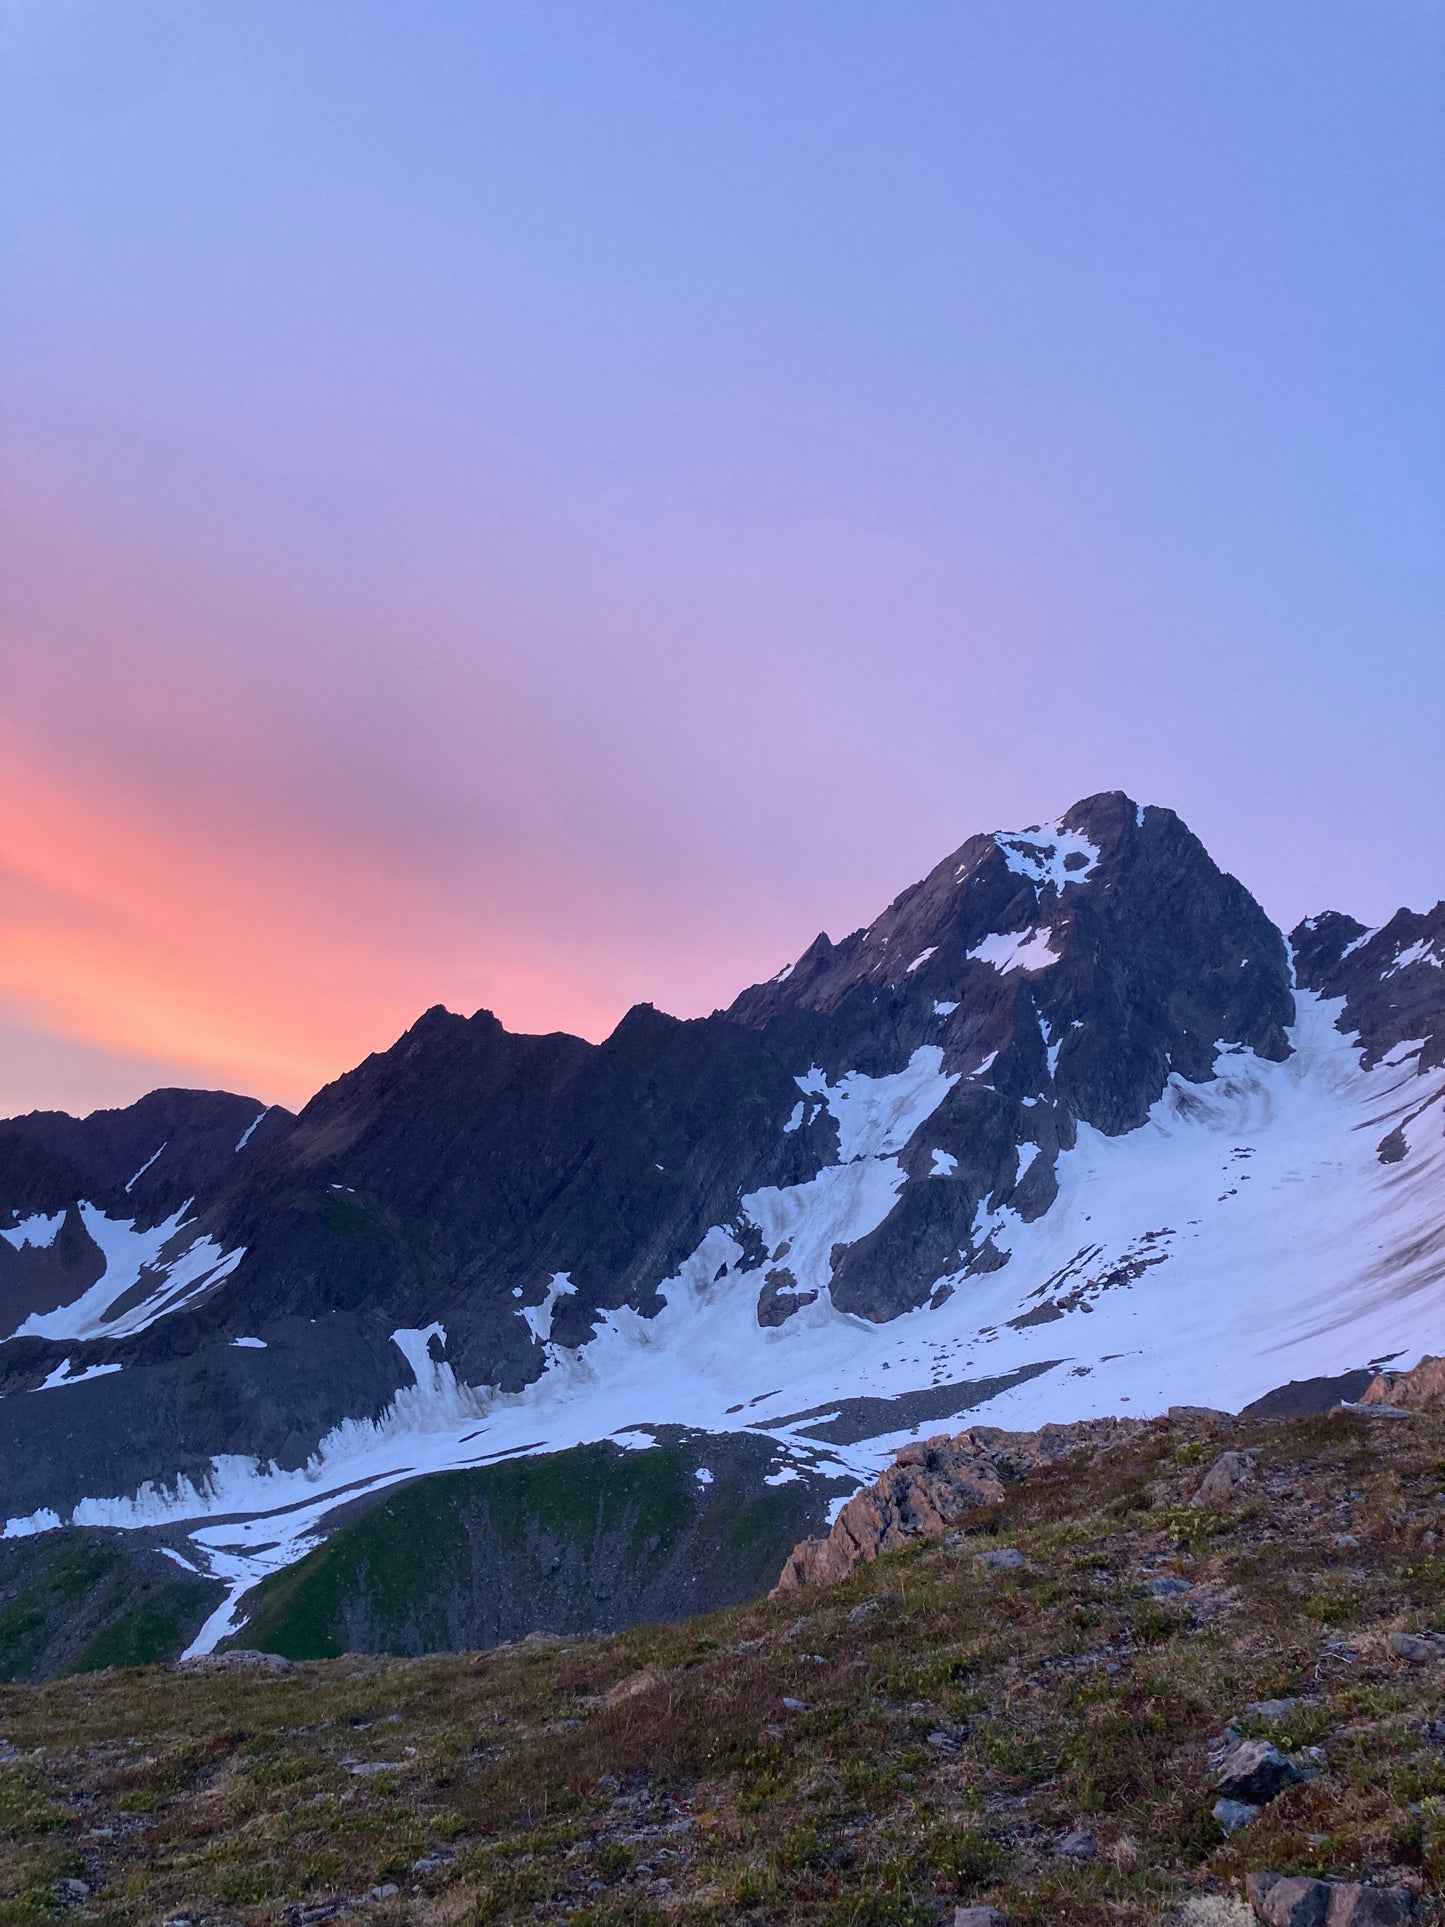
(1071, 1078)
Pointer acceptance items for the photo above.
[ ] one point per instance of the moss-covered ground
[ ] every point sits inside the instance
(931, 1732)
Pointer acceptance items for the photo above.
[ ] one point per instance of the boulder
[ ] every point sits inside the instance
(932, 1484)
(1289, 1900)
(1229, 1472)
(1352, 1905)
(1409, 1391)
(1284, 1900)
(1417, 1648)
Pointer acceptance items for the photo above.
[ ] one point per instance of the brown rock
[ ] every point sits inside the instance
(929, 1487)
(1424, 1386)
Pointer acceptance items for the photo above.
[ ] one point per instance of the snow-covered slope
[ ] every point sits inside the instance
(1055, 1137)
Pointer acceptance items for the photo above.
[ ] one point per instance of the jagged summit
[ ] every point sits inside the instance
(1067, 1128)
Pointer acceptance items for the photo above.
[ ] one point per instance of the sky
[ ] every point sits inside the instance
(548, 505)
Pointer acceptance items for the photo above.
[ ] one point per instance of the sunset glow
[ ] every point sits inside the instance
(544, 508)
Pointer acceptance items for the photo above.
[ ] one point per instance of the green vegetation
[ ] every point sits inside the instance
(78, 1601)
(566, 1542)
(799, 1763)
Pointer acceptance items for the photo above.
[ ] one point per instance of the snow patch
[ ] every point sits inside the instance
(921, 959)
(62, 1376)
(703, 1476)
(145, 1167)
(38, 1232)
(539, 1317)
(249, 1344)
(944, 1164)
(129, 1255)
(878, 1115)
(1016, 950)
(1420, 952)
(1041, 855)
(942, 1008)
(245, 1138)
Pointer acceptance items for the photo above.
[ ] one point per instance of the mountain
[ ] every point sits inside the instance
(1071, 1128)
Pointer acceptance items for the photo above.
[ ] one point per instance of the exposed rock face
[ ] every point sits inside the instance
(1392, 979)
(141, 1162)
(1413, 1390)
(930, 1486)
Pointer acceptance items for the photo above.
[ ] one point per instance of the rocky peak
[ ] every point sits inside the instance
(1392, 979)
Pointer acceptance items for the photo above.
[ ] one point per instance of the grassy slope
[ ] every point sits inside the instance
(593, 1537)
(947, 1740)
(74, 1601)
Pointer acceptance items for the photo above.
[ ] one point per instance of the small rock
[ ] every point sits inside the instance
(795, 1706)
(74, 1889)
(1234, 1814)
(1183, 1413)
(1347, 1542)
(363, 1769)
(875, 1605)
(1416, 1648)
(945, 1742)
(1255, 1771)
(981, 1917)
(430, 1862)
(383, 1892)
(1079, 1845)
(8, 1753)
(1229, 1472)
(1000, 1559)
(1166, 1587)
